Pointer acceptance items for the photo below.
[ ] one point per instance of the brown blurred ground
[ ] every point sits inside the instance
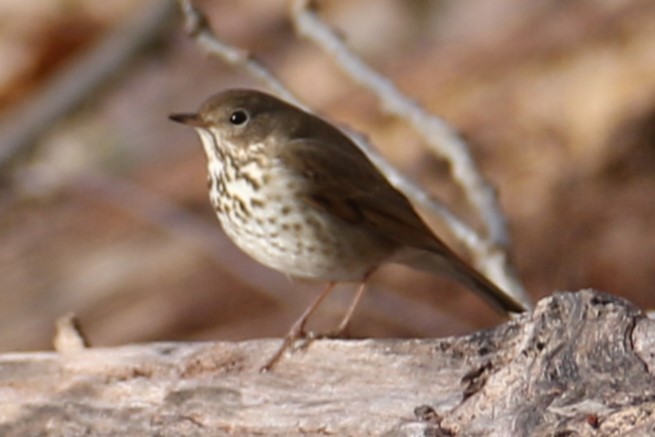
(556, 98)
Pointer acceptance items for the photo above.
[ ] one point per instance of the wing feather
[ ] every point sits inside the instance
(345, 183)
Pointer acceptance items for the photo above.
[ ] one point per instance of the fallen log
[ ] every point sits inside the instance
(579, 364)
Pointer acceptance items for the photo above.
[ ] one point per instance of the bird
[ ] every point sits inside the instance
(299, 196)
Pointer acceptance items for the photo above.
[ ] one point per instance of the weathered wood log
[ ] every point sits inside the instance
(580, 364)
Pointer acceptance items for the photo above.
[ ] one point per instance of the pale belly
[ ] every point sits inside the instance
(263, 218)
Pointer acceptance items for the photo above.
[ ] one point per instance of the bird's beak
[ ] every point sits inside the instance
(194, 120)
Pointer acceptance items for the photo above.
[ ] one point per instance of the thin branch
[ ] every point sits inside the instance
(67, 89)
(197, 26)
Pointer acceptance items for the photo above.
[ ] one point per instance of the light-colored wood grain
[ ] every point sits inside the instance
(580, 364)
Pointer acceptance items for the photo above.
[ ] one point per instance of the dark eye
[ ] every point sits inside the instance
(238, 117)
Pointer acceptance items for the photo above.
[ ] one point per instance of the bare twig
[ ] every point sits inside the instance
(196, 25)
(21, 129)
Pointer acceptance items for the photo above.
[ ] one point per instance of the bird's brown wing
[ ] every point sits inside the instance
(342, 181)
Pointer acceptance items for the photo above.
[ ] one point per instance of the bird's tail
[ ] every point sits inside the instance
(449, 264)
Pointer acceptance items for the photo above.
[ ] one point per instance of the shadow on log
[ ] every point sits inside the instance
(580, 364)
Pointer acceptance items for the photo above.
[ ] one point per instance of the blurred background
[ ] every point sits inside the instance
(103, 202)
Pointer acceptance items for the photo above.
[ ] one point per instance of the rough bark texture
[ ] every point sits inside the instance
(580, 364)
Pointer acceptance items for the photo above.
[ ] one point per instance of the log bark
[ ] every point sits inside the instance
(579, 364)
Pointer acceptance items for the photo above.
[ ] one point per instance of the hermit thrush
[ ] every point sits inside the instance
(299, 196)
